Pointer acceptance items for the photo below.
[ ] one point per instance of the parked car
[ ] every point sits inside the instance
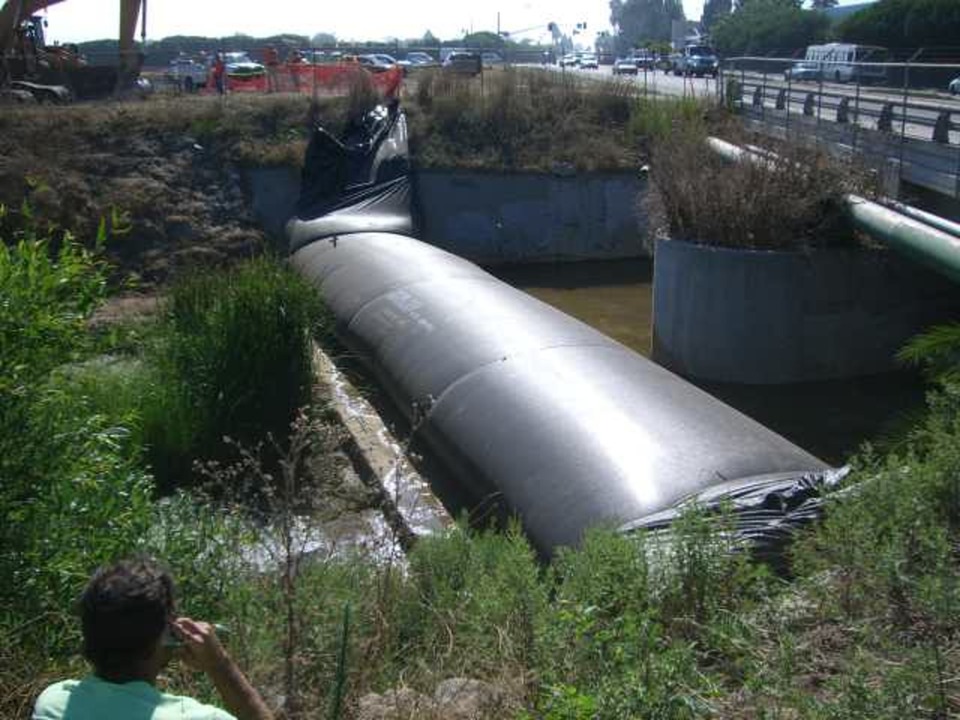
(491, 59)
(313, 57)
(954, 86)
(644, 59)
(417, 60)
(468, 63)
(187, 74)
(698, 60)
(588, 62)
(625, 66)
(803, 70)
(239, 65)
(570, 60)
(376, 63)
(669, 63)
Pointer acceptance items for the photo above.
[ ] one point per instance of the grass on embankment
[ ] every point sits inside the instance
(521, 120)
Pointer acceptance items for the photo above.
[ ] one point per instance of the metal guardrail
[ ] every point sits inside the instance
(912, 133)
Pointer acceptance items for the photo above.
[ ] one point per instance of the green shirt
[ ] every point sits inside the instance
(96, 699)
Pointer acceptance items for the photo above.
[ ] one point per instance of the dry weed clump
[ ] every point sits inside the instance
(791, 199)
(515, 119)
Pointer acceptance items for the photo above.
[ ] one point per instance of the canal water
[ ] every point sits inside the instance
(829, 419)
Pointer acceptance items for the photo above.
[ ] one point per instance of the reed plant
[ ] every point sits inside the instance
(232, 359)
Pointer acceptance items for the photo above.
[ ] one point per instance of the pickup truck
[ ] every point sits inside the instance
(187, 74)
(697, 60)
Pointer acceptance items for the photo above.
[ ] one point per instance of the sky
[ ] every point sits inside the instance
(80, 20)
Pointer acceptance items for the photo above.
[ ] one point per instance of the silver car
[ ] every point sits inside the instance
(954, 86)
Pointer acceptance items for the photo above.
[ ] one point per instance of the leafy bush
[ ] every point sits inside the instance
(72, 493)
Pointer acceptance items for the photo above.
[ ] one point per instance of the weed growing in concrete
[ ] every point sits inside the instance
(789, 200)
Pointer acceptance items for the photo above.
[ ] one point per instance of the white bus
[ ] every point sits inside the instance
(839, 62)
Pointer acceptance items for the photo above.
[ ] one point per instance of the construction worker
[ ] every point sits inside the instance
(294, 63)
(272, 60)
(219, 71)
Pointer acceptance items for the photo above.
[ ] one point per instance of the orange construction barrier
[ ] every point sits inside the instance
(322, 79)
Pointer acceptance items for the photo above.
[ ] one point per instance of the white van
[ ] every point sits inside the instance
(839, 62)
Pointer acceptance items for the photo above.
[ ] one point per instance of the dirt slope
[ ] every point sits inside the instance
(164, 175)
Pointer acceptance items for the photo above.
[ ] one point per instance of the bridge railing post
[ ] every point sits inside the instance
(856, 106)
(763, 97)
(941, 128)
(885, 121)
(843, 110)
(819, 100)
(787, 119)
(903, 119)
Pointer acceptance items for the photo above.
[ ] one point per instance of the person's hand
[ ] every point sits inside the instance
(201, 648)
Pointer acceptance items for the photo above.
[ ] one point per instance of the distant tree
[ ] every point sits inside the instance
(763, 26)
(905, 24)
(606, 43)
(429, 39)
(740, 4)
(323, 39)
(714, 10)
(637, 21)
(483, 39)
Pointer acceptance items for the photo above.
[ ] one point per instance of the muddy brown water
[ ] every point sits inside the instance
(830, 419)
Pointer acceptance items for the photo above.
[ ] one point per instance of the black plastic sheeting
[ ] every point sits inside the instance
(562, 425)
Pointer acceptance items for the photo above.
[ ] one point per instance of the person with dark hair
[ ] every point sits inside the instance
(130, 633)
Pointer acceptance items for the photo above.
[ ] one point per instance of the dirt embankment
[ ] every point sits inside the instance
(164, 176)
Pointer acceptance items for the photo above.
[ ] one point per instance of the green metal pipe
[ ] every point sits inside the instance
(938, 250)
(940, 223)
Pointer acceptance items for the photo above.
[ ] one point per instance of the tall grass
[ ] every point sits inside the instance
(231, 360)
(520, 119)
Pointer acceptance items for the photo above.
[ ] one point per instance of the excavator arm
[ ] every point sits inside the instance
(14, 12)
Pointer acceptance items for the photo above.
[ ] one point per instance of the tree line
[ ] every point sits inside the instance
(761, 27)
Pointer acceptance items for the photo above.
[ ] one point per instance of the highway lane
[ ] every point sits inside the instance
(864, 112)
(654, 82)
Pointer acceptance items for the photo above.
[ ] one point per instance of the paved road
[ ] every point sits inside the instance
(924, 106)
(653, 81)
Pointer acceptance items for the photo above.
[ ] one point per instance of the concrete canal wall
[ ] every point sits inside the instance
(494, 218)
(752, 316)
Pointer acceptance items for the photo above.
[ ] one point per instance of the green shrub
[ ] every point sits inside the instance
(72, 493)
(474, 603)
(608, 652)
(232, 360)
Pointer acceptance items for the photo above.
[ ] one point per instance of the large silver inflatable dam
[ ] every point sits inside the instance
(521, 402)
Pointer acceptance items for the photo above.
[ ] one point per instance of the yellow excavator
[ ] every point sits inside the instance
(58, 73)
